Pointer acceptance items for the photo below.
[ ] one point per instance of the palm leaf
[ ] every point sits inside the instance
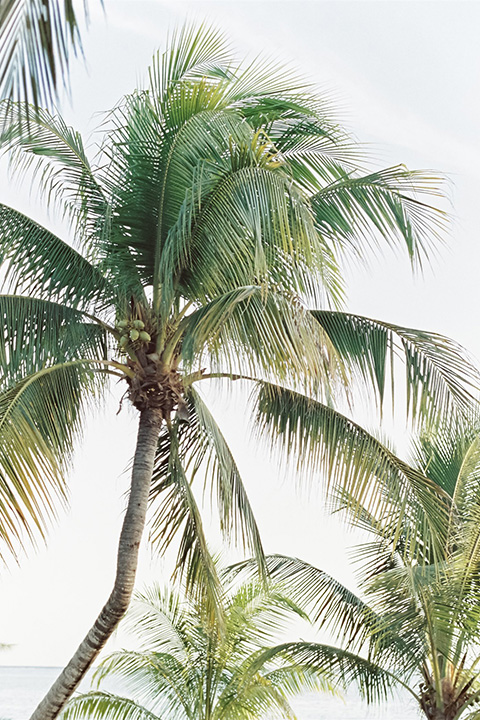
(236, 514)
(344, 668)
(371, 477)
(440, 378)
(260, 333)
(40, 419)
(36, 39)
(39, 333)
(177, 511)
(45, 148)
(105, 706)
(38, 262)
(388, 204)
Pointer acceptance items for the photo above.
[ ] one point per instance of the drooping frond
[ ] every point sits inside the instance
(36, 41)
(237, 520)
(327, 600)
(440, 378)
(261, 333)
(370, 476)
(39, 333)
(176, 512)
(343, 668)
(105, 706)
(36, 261)
(40, 418)
(390, 204)
(53, 155)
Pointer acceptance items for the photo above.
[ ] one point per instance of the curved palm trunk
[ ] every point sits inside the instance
(127, 560)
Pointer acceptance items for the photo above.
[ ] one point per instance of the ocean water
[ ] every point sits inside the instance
(21, 688)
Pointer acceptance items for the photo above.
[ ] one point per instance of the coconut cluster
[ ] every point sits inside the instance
(132, 331)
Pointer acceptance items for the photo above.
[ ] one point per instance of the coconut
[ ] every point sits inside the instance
(134, 335)
(122, 324)
(123, 341)
(145, 337)
(138, 324)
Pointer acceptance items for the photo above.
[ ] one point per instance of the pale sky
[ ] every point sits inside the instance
(406, 76)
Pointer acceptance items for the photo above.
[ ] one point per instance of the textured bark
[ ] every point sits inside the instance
(127, 560)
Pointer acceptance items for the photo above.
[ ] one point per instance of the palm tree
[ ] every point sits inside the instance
(416, 621)
(205, 230)
(36, 40)
(188, 668)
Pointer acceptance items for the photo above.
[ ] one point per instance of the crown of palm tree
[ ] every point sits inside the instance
(208, 225)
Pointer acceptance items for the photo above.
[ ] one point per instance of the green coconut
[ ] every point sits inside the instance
(145, 337)
(138, 324)
(134, 335)
(121, 324)
(123, 341)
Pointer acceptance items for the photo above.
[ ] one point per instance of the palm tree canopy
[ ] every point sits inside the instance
(205, 231)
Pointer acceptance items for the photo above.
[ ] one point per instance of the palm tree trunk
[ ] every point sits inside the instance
(127, 560)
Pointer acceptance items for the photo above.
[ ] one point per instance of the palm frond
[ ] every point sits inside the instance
(391, 204)
(260, 333)
(36, 41)
(236, 514)
(157, 679)
(371, 477)
(40, 418)
(177, 512)
(38, 334)
(38, 262)
(341, 667)
(194, 52)
(45, 148)
(105, 706)
(267, 230)
(440, 377)
(161, 621)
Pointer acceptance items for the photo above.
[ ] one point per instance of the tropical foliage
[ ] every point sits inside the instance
(36, 40)
(416, 621)
(206, 233)
(188, 668)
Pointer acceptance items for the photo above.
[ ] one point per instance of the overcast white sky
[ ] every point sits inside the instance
(406, 75)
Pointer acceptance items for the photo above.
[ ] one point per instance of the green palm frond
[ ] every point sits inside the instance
(39, 333)
(370, 476)
(236, 514)
(157, 679)
(344, 613)
(160, 621)
(440, 379)
(391, 204)
(36, 261)
(105, 706)
(36, 41)
(43, 146)
(177, 512)
(40, 418)
(267, 230)
(260, 333)
(343, 668)
(195, 52)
